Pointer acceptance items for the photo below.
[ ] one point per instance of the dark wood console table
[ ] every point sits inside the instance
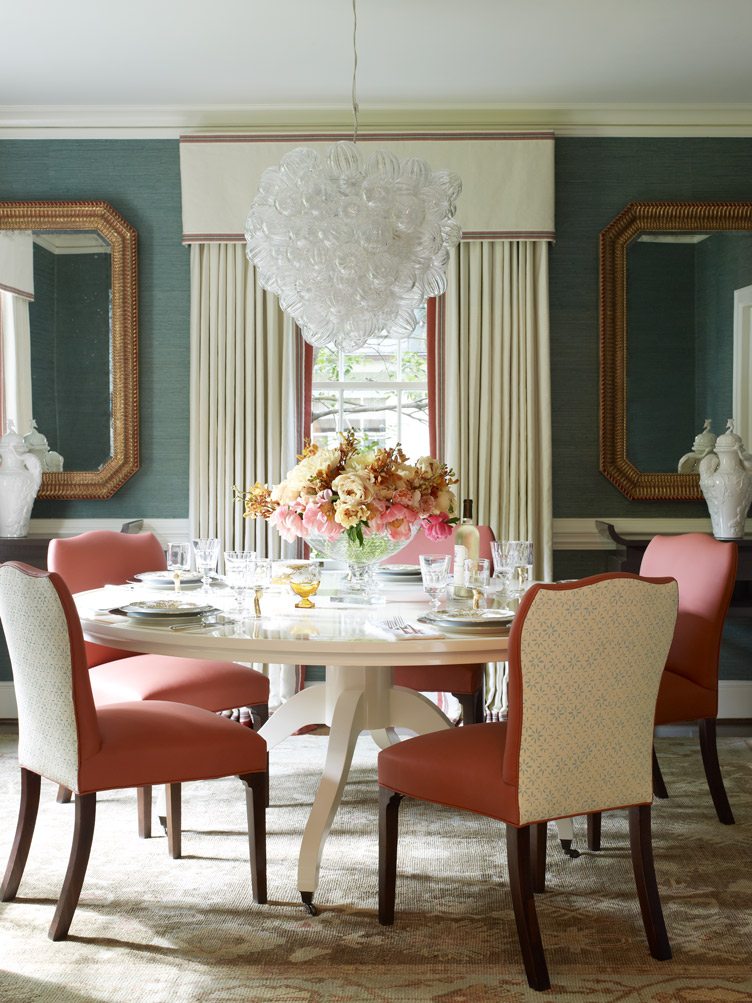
(31, 549)
(629, 556)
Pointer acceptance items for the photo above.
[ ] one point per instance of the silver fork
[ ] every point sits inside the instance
(398, 623)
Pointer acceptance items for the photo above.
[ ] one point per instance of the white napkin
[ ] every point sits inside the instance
(379, 628)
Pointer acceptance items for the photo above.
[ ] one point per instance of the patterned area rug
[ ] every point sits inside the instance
(149, 929)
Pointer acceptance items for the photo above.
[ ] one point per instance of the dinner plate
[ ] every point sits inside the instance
(173, 608)
(494, 628)
(400, 570)
(166, 578)
(472, 618)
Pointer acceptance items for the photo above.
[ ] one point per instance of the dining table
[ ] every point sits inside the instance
(351, 641)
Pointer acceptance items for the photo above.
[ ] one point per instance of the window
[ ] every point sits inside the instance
(380, 391)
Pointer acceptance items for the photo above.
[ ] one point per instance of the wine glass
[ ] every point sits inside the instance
(521, 563)
(261, 577)
(477, 578)
(434, 570)
(239, 574)
(206, 553)
(305, 583)
(178, 560)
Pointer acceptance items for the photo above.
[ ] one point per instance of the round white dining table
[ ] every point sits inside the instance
(357, 695)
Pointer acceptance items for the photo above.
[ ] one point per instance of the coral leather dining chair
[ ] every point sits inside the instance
(65, 737)
(705, 569)
(92, 560)
(585, 664)
(464, 682)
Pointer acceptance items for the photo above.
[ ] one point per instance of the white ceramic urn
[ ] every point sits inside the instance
(726, 482)
(20, 477)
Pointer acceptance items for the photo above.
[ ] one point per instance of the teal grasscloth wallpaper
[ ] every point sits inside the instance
(595, 179)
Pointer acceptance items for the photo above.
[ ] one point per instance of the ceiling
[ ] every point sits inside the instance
(164, 64)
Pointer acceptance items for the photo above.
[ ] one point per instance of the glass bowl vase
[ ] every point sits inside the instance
(361, 559)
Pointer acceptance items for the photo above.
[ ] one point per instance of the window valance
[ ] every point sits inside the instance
(17, 263)
(507, 178)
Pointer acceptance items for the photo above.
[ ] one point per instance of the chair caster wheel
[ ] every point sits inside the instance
(308, 905)
(566, 845)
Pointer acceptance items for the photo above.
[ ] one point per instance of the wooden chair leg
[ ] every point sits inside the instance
(659, 784)
(259, 715)
(64, 795)
(539, 838)
(86, 809)
(641, 845)
(174, 821)
(473, 711)
(525, 915)
(256, 788)
(143, 798)
(709, 749)
(594, 831)
(27, 817)
(389, 802)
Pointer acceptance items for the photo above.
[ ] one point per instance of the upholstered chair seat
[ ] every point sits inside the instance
(585, 663)
(66, 738)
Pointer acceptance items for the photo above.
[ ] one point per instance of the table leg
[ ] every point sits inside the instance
(415, 712)
(306, 707)
(346, 724)
(384, 737)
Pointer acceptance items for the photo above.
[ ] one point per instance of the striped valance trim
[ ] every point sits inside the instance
(238, 238)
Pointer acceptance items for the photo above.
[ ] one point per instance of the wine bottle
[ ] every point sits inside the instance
(466, 532)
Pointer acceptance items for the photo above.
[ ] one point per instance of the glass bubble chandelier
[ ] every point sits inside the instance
(352, 245)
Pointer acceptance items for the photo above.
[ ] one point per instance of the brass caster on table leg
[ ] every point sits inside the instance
(163, 822)
(310, 908)
(566, 845)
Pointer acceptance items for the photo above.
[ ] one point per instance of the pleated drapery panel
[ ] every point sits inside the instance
(497, 398)
(245, 358)
(493, 326)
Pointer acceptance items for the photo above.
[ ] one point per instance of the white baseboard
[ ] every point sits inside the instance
(734, 700)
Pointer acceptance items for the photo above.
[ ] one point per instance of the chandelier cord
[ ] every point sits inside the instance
(355, 105)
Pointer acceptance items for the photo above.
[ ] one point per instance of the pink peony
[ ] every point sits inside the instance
(287, 522)
(318, 518)
(436, 527)
(398, 522)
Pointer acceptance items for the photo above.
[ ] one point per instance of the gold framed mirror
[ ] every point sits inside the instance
(83, 345)
(672, 277)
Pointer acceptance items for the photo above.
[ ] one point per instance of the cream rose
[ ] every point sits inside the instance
(353, 489)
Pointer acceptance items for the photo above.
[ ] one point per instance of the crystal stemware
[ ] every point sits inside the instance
(261, 576)
(477, 578)
(206, 554)
(178, 560)
(305, 583)
(434, 570)
(239, 575)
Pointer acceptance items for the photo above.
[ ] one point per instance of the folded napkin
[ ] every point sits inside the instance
(411, 632)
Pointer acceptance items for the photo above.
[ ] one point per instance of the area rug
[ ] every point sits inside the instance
(150, 929)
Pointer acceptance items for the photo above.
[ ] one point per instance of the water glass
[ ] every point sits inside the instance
(521, 563)
(239, 574)
(434, 570)
(178, 560)
(261, 575)
(477, 578)
(206, 554)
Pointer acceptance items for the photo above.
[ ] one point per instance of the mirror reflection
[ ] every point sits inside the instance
(681, 290)
(71, 400)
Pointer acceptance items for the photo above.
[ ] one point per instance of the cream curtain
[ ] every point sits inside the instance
(244, 395)
(244, 405)
(497, 399)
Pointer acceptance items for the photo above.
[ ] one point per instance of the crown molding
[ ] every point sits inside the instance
(169, 121)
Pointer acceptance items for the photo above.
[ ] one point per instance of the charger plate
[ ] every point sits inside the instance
(173, 608)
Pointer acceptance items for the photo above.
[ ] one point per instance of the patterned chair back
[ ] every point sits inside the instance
(57, 721)
(101, 557)
(585, 664)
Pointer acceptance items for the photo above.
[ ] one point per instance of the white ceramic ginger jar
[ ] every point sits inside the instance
(703, 444)
(20, 477)
(726, 482)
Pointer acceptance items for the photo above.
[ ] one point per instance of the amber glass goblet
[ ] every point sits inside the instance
(305, 583)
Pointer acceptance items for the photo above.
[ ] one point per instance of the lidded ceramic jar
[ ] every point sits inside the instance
(703, 444)
(726, 483)
(38, 445)
(20, 477)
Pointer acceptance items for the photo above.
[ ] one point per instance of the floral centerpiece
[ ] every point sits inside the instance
(357, 504)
